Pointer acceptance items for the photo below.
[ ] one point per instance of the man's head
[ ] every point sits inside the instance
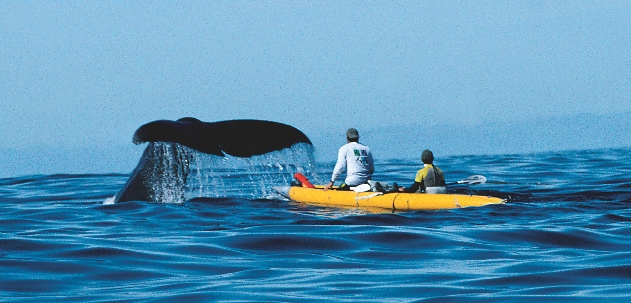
(352, 135)
(427, 157)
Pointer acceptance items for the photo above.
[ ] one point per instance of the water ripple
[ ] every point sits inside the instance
(564, 236)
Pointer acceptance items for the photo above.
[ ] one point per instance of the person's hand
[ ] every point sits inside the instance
(328, 186)
(401, 189)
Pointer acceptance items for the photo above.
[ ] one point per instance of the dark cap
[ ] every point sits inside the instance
(427, 157)
(352, 133)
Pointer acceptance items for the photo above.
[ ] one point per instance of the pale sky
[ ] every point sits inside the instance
(88, 73)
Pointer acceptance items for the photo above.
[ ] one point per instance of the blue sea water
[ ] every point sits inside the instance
(564, 236)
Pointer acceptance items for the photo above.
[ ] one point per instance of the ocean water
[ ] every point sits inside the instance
(564, 236)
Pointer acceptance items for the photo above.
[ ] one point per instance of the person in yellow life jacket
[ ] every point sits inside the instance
(429, 179)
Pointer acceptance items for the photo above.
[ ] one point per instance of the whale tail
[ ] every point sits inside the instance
(239, 138)
(164, 166)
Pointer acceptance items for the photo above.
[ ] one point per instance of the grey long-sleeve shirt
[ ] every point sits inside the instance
(357, 159)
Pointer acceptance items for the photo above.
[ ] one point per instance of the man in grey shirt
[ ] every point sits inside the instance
(356, 159)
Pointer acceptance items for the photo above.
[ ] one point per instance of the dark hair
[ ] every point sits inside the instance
(427, 157)
(352, 135)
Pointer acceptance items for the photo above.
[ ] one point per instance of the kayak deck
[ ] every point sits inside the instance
(394, 201)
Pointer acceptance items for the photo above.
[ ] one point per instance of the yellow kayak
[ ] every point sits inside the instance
(394, 201)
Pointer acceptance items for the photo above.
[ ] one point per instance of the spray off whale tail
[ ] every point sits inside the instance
(165, 164)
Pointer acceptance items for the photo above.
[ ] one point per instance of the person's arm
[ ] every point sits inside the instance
(412, 189)
(371, 163)
(340, 165)
(418, 182)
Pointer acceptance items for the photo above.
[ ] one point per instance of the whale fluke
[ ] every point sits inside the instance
(239, 138)
(164, 165)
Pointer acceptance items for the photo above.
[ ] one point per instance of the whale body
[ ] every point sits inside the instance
(164, 164)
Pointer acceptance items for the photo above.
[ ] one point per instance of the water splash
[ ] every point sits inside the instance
(181, 173)
(109, 201)
(170, 167)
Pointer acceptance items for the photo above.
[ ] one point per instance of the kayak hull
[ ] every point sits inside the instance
(394, 201)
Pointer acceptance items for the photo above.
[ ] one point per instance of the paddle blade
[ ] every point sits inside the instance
(473, 180)
(303, 180)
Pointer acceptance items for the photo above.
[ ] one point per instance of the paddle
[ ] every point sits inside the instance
(471, 180)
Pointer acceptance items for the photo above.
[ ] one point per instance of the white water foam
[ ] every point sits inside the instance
(179, 173)
(109, 201)
(251, 178)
